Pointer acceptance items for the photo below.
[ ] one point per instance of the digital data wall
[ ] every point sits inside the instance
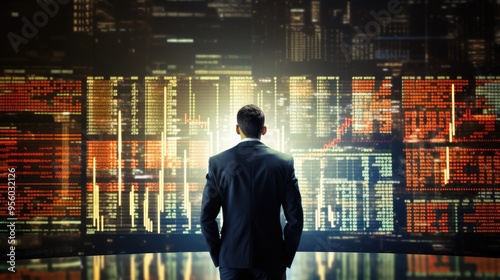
(409, 158)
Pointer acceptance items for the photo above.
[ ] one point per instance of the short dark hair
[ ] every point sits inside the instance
(251, 120)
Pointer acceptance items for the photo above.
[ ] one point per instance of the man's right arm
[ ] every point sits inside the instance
(210, 207)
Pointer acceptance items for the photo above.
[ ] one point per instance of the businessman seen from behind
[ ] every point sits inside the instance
(251, 182)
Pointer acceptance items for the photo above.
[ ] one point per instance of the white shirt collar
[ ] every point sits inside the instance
(250, 139)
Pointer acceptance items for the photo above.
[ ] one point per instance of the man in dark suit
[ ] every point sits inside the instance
(251, 182)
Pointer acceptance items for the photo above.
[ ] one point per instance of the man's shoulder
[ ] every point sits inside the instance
(223, 155)
(243, 149)
(279, 155)
(274, 154)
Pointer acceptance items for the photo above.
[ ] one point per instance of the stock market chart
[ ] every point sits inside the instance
(129, 155)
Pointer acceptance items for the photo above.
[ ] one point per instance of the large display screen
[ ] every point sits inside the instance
(322, 265)
(389, 157)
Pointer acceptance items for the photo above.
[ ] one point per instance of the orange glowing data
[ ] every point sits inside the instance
(41, 140)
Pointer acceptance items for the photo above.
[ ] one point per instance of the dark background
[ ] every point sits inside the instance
(73, 40)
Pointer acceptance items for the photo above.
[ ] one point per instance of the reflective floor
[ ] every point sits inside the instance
(307, 265)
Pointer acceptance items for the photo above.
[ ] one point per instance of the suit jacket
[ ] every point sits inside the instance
(251, 182)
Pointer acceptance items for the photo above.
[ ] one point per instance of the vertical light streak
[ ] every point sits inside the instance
(187, 204)
(279, 140)
(93, 171)
(165, 109)
(96, 267)
(191, 100)
(132, 266)
(161, 176)
(93, 194)
(447, 173)
(316, 219)
(330, 259)
(330, 215)
(320, 196)
(148, 258)
(456, 220)
(217, 147)
(211, 148)
(337, 104)
(95, 198)
(160, 183)
(65, 159)
(164, 150)
(320, 265)
(102, 223)
(145, 207)
(275, 102)
(444, 175)
(217, 125)
(158, 213)
(160, 266)
(453, 107)
(260, 99)
(119, 158)
(98, 222)
(451, 126)
(283, 138)
(131, 206)
(189, 267)
(450, 134)
(185, 177)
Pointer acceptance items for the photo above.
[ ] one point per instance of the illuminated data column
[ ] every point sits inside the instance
(380, 217)
(362, 187)
(241, 93)
(99, 106)
(40, 136)
(346, 190)
(266, 92)
(371, 106)
(307, 169)
(489, 87)
(161, 106)
(327, 106)
(186, 193)
(113, 120)
(433, 215)
(427, 107)
(202, 104)
(302, 106)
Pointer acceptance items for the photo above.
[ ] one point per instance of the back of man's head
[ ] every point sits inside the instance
(251, 120)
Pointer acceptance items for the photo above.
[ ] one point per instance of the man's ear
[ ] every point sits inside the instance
(264, 130)
(238, 130)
